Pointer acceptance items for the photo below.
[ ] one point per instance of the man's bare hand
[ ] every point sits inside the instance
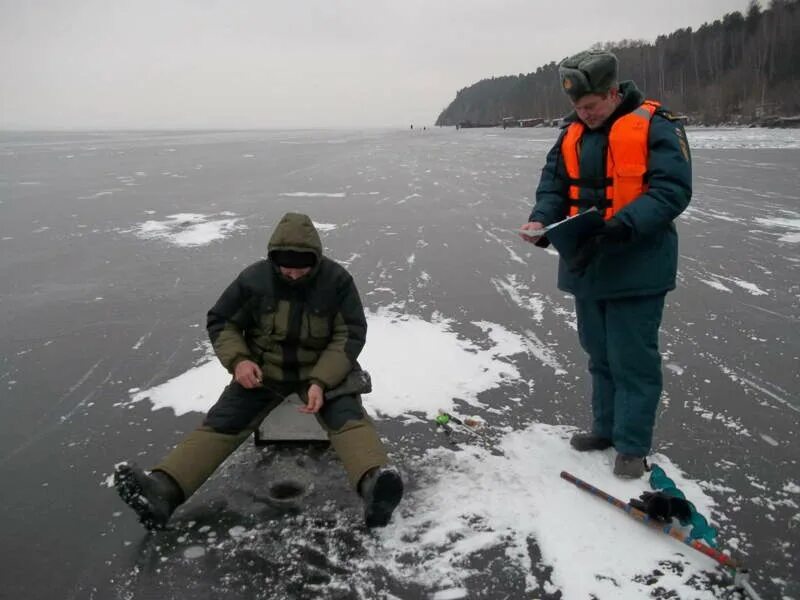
(247, 374)
(315, 399)
(531, 226)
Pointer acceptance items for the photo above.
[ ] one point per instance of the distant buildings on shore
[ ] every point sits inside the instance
(771, 121)
(506, 122)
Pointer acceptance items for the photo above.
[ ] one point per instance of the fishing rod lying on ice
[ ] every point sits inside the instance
(460, 429)
(469, 425)
(741, 577)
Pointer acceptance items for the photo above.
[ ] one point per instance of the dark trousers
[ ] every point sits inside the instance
(621, 338)
(239, 412)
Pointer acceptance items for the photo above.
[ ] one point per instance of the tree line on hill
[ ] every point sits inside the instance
(743, 68)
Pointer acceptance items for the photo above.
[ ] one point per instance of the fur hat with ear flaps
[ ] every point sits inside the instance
(588, 73)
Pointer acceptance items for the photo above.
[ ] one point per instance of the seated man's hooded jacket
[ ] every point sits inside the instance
(308, 330)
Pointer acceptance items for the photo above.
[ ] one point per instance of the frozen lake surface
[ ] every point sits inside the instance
(114, 245)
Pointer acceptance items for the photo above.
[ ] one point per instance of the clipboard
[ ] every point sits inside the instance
(567, 235)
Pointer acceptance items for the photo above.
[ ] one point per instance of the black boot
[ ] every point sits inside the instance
(153, 497)
(585, 442)
(628, 466)
(381, 489)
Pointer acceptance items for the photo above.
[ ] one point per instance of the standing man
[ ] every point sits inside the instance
(629, 158)
(293, 323)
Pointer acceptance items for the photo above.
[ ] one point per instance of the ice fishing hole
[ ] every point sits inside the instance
(286, 490)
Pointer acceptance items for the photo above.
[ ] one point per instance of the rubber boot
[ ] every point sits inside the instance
(381, 489)
(629, 467)
(586, 442)
(152, 497)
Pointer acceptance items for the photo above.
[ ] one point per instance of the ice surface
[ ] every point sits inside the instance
(463, 316)
(480, 499)
(738, 138)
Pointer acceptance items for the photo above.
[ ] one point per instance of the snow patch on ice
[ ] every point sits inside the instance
(349, 260)
(323, 227)
(750, 287)
(398, 344)
(187, 229)
(100, 194)
(313, 194)
(520, 294)
(769, 439)
(195, 390)
(193, 552)
(473, 500)
(141, 341)
(791, 224)
(723, 216)
(454, 367)
(677, 369)
(504, 244)
(727, 421)
(451, 594)
(716, 285)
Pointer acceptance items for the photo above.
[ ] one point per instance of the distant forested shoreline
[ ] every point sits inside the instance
(742, 69)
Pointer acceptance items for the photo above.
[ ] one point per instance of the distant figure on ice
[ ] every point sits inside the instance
(292, 323)
(628, 157)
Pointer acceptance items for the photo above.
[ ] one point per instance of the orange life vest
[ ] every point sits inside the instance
(626, 161)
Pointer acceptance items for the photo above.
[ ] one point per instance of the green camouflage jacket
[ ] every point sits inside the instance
(312, 329)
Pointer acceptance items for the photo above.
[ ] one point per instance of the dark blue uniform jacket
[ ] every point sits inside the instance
(647, 264)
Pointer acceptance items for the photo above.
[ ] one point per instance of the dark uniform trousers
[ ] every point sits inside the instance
(239, 412)
(621, 338)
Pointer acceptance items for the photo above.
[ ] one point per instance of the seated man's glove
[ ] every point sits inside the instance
(357, 382)
(613, 231)
(662, 507)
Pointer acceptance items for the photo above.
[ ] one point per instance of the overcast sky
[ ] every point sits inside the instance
(302, 63)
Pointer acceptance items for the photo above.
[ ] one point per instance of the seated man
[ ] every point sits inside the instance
(291, 323)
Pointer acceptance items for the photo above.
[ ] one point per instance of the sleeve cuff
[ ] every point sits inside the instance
(239, 358)
(320, 383)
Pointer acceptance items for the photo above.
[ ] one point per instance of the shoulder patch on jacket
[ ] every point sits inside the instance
(683, 142)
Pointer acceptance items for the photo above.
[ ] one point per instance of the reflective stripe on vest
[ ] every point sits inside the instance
(626, 160)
